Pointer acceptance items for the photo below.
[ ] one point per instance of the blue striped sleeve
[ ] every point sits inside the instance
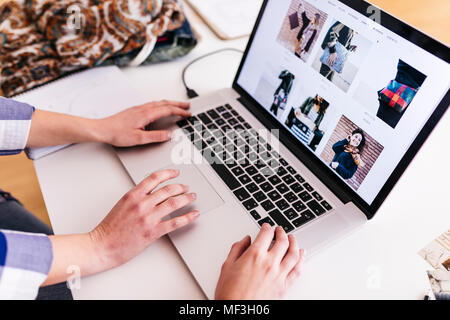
(25, 261)
(15, 123)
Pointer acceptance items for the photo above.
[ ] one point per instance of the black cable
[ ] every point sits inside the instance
(190, 92)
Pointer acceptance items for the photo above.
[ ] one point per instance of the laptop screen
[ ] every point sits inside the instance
(354, 93)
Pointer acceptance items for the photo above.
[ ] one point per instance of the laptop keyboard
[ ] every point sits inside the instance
(269, 188)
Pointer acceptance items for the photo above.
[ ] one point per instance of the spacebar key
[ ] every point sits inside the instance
(226, 175)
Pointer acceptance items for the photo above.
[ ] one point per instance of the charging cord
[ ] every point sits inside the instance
(190, 92)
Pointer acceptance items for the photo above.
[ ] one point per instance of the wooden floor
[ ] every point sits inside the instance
(17, 173)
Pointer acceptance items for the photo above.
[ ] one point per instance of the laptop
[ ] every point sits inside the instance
(323, 118)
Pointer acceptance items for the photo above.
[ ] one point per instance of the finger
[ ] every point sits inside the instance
(179, 104)
(292, 256)
(281, 244)
(238, 249)
(155, 136)
(264, 237)
(295, 273)
(162, 112)
(174, 203)
(151, 182)
(167, 192)
(177, 223)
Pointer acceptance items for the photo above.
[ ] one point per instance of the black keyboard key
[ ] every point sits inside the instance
(288, 179)
(245, 179)
(253, 157)
(282, 204)
(308, 187)
(228, 107)
(284, 163)
(299, 206)
(259, 179)
(266, 220)
(242, 194)
(251, 170)
(204, 118)
(213, 114)
(188, 130)
(266, 171)
(241, 119)
(291, 197)
(274, 180)
(282, 188)
(260, 196)
(281, 220)
(267, 205)
(232, 122)
(221, 109)
(193, 120)
(220, 122)
(299, 178)
(201, 145)
(265, 156)
(266, 186)
(227, 115)
(250, 204)
(234, 113)
(317, 196)
(212, 127)
(226, 175)
(291, 170)
(316, 207)
(326, 205)
(305, 196)
(182, 123)
(297, 188)
(281, 171)
(304, 218)
(274, 195)
(290, 214)
(237, 171)
(252, 188)
(255, 215)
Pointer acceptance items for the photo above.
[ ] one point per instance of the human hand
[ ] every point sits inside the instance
(255, 272)
(334, 165)
(136, 220)
(127, 128)
(332, 59)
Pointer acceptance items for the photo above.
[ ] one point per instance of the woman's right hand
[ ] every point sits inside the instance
(334, 165)
(260, 271)
(137, 219)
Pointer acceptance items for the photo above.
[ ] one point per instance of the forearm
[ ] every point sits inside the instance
(74, 253)
(50, 129)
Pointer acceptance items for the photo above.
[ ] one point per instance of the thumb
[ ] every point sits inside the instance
(156, 136)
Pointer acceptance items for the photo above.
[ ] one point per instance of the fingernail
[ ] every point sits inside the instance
(196, 214)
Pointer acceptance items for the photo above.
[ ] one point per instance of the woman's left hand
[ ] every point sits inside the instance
(127, 128)
(334, 165)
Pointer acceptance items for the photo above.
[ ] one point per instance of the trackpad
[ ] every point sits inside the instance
(207, 197)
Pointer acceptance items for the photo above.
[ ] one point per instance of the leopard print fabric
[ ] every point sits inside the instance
(41, 40)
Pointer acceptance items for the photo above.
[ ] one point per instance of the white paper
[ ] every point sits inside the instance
(234, 18)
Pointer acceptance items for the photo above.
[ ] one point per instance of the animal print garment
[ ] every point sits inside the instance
(41, 40)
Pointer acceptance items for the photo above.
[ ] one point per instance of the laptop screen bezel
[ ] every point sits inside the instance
(331, 180)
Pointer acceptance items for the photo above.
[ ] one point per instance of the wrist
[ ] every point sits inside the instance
(97, 131)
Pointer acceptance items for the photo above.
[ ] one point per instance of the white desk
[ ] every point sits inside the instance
(82, 183)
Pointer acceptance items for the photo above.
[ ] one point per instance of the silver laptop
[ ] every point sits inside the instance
(331, 102)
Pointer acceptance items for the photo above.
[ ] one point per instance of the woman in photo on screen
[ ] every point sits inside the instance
(347, 157)
(338, 33)
(307, 37)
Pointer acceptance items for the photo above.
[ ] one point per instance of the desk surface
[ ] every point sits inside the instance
(378, 261)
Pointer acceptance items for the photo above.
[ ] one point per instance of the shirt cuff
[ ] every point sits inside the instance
(25, 261)
(15, 124)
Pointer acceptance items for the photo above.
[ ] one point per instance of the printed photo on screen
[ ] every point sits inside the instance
(273, 91)
(306, 119)
(301, 28)
(351, 152)
(399, 85)
(343, 51)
